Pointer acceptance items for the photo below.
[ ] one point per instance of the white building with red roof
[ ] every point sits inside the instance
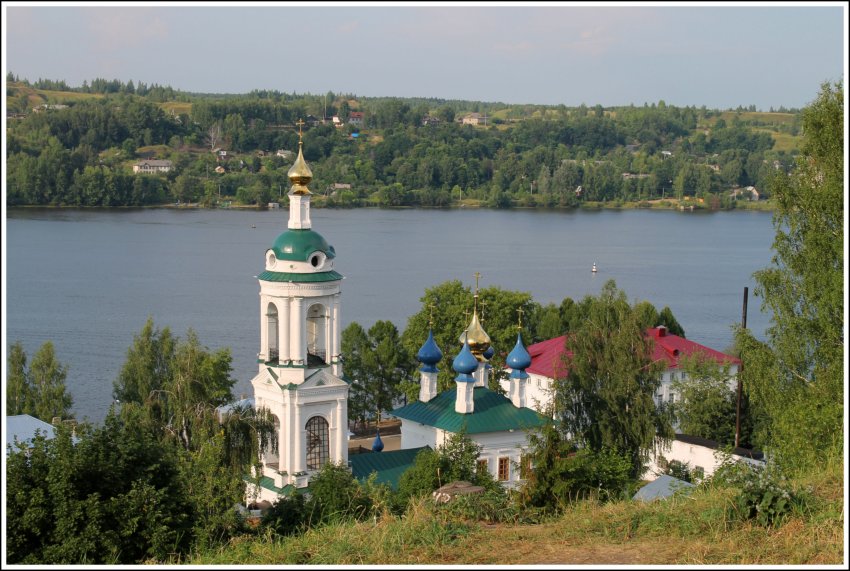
(549, 362)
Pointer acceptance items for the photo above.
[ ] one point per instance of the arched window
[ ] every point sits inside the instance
(318, 443)
(271, 327)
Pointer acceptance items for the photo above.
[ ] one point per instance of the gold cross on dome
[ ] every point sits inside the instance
(519, 312)
(477, 275)
(431, 316)
(300, 124)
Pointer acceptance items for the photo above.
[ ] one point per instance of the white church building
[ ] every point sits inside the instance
(300, 379)
(498, 424)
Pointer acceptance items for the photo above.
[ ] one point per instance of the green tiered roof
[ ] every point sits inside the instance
(492, 413)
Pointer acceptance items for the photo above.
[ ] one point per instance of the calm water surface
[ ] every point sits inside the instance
(88, 280)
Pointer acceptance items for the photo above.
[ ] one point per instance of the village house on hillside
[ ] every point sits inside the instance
(152, 166)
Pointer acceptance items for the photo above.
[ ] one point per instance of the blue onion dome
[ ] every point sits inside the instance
(429, 354)
(464, 364)
(488, 354)
(378, 444)
(518, 360)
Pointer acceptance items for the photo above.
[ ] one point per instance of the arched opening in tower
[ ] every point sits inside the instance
(272, 329)
(318, 329)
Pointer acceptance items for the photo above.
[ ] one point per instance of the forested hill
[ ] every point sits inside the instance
(77, 146)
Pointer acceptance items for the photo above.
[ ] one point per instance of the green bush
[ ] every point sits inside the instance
(287, 516)
(765, 494)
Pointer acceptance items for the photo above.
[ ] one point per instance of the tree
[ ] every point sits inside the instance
(796, 377)
(667, 319)
(378, 362)
(110, 494)
(47, 376)
(173, 388)
(214, 135)
(17, 386)
(707, 404)
(38, 390)
(607, 400)
(561, 473)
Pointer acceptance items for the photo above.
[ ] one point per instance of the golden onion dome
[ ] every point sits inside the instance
(477, 338)
(300, 174)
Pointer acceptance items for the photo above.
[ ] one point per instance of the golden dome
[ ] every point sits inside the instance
(300, 174)
(477, 338)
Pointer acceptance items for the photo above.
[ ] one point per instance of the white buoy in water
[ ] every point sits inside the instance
(593, 269)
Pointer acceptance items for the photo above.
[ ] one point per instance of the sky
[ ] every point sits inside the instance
(717, 55)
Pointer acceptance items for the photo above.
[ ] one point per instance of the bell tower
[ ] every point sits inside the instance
(299, 377)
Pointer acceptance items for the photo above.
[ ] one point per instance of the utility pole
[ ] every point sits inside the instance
(740, 370)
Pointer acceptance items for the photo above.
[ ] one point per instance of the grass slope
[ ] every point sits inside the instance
(683, 530)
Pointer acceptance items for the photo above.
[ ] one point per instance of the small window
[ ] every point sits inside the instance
(482, 466)
(504, 469)
(699, 472)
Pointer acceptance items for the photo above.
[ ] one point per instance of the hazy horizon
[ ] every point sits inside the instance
(720, 56)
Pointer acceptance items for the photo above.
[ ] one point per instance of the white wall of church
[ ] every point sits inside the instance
(538, 391)
(415, 435)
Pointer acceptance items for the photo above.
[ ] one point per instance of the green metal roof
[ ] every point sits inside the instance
(297, 245)
(330, 276)
(389, 466)
(492, 413)
(268, 483)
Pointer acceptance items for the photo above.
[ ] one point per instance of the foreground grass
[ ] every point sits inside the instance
(699, 529)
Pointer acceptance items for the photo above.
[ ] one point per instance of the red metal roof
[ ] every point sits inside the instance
(547, 357)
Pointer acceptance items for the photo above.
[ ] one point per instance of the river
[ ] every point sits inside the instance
(88, 279)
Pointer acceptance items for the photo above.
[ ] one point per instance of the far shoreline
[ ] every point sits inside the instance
(657, 204)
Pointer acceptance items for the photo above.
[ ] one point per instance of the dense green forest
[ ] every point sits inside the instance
(76, 147)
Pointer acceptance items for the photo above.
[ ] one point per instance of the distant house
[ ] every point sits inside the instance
(355, 118)
(48, 107)
(666, 154)
(152, 166)
(430, 120)
(220, 169)
(629, 175)
(340, 186)
(284, 154)
(337, 121)
(750, 193)
(471, 119)
(312, 120)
